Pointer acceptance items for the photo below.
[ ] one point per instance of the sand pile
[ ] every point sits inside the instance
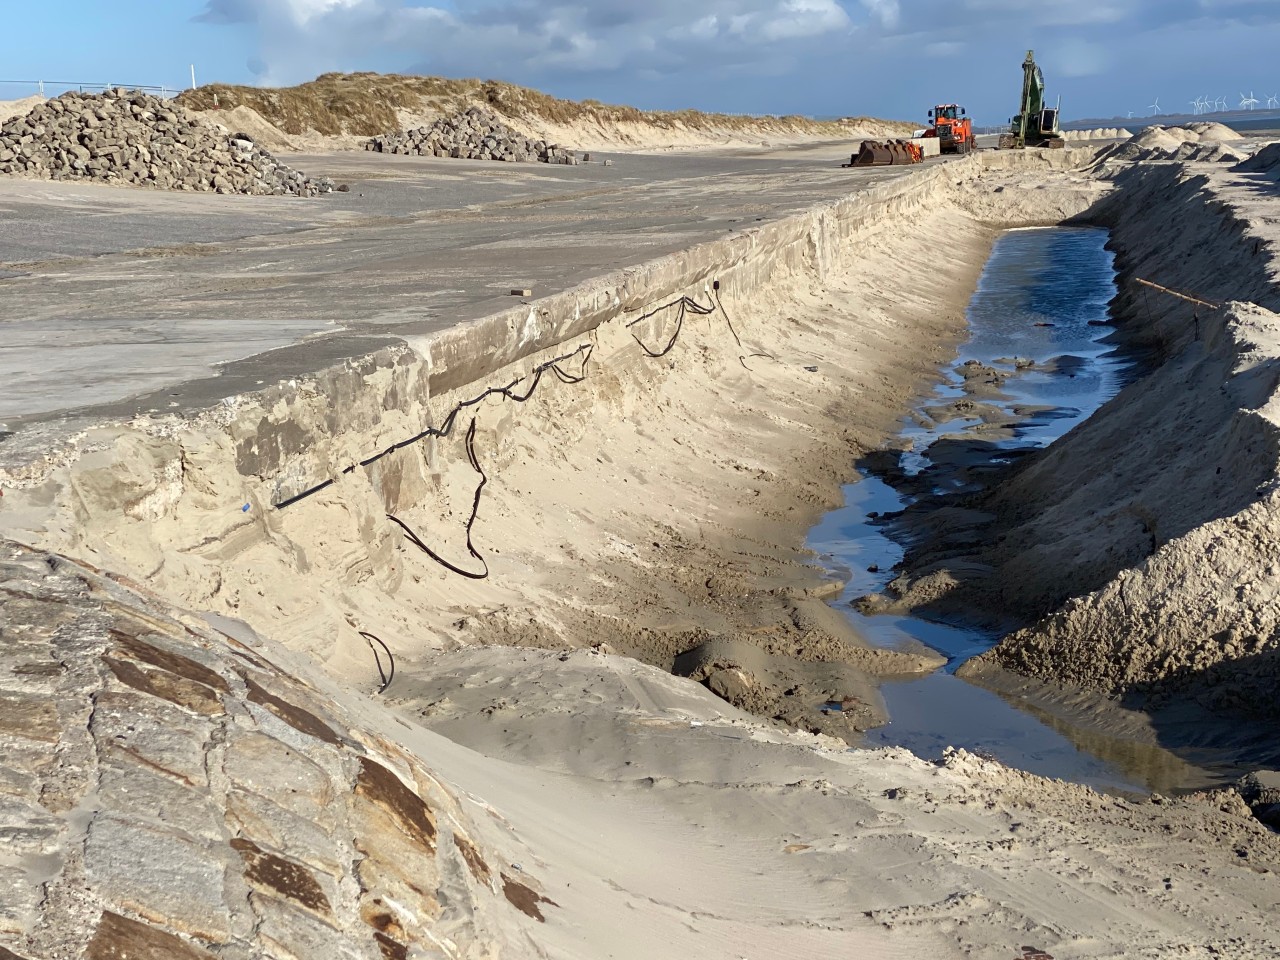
(1194, 142)
(1195, 609)
(1098, 133)
(17, 108)
(474, 134)
(1266, 160)
(132, 137)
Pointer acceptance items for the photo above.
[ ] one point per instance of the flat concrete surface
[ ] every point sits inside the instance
(120, 300)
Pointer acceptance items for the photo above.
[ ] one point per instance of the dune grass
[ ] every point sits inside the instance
(365, 104)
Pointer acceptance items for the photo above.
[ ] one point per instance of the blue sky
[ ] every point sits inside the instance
(825, 57)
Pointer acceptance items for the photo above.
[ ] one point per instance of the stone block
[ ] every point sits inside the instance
(269, 768)
(160, 875)
(128, 788)
(256, 816)
(120, 938)
(31, 716)
(153, 733)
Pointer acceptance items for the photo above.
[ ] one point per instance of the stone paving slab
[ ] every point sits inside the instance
(125, 300)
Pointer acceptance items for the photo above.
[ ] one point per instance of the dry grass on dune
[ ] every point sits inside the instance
(366, 104)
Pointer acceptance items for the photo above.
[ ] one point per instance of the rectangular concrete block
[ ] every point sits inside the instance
(930, 146)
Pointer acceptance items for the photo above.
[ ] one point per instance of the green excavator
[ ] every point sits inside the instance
(1035, 125)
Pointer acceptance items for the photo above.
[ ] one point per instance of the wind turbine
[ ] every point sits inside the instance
(1247, 103)
(1195, 107)
(1273, 101)
(1155, 107)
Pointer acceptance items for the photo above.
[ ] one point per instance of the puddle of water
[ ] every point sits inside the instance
(1036, 366)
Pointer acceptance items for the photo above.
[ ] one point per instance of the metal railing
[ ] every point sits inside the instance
(20, 89)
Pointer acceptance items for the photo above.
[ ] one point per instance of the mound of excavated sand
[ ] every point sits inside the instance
(17, 108)
(132, 137)
(1212, 130)
(1194, 142)
(1209, 152)
(1266, 160)
(1195, 614)
(1098, 133)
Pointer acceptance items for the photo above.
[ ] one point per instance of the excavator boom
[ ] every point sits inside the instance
(1035, 125)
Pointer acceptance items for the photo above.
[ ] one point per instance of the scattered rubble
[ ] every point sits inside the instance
(124, 136)
(475, 134)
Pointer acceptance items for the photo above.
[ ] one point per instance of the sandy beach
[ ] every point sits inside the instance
(605, 734)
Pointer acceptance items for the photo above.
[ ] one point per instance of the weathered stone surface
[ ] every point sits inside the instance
(290, 933)
(524, 898)
(256, 816)
(32, 717)
(396, 867)
(157, 683)
(155, 797)
(160, 875)
(265, 766)
(170, 662)
(475, 863)
(276, 876)
(153, 733)
(119, 938)
(292, 714)
(388, 791)
(19, 899)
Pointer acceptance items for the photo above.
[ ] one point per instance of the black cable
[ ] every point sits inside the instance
(726, 318)
(742, 358)
(507, 392)
(370, 639)
(413, 538)
(685, 304)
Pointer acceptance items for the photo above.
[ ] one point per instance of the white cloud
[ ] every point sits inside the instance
(819, 56)
(304, 11)
(804, 18)
(884, 12)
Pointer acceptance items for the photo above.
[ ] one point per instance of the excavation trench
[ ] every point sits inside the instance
(645, 500)
(1037, 361)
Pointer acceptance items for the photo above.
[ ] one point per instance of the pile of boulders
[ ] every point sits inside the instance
(475, 134)
(124, 136)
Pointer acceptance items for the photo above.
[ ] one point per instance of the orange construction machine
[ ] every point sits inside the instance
(952, 128)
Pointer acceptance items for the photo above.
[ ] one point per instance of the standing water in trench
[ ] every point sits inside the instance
(1034, 366)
